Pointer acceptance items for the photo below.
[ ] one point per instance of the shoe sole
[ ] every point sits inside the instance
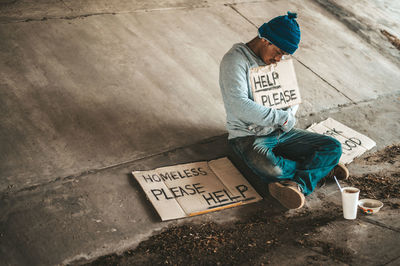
(288, 196)
(343, 172)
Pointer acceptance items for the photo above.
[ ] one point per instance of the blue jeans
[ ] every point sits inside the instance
(297, 155)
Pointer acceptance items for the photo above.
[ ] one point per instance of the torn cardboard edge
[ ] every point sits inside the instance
(191, 189)
(354, 144)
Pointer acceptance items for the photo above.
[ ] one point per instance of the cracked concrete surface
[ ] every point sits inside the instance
(58, 127)
(90, 90)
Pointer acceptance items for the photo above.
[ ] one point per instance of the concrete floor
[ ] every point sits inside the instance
(91, 90)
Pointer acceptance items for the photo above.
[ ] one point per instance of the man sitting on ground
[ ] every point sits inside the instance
(292, 161)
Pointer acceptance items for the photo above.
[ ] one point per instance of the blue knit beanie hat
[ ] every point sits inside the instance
(282, 31)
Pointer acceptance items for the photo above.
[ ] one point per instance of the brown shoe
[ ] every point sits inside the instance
(340, 171)
(287, 193)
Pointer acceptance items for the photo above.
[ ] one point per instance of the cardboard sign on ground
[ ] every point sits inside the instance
(353, 143)
(195, 188)
(275, 86)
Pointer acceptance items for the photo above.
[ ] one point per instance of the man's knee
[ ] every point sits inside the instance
(336, 148)
(263, 164)
(258, 160)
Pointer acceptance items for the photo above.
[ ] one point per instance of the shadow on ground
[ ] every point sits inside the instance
(257, 237)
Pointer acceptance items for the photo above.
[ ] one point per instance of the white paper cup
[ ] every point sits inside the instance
(350, 202)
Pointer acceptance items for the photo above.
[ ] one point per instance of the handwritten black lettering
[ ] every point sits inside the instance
(263, 82)
(257, 82)
(355, 140)
(165, 177)
(231, 197)
(332, 132)
(191, 189)
(266, 81)
(174, 191)
(165, 194)
(183, 192)
(174, 175)
(198, 188)
(156, 178)
(269, 82)
(242, 189)
(219, 195)
(293, 95)
(194, 172)
(209, 198)
(201, 171)
(275, 76)
(178, 191)
(277, 98)
(147, 178)
(187, 172)
(351, 143)
(156, 193)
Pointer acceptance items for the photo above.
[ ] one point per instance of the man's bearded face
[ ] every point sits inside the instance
(270, 53)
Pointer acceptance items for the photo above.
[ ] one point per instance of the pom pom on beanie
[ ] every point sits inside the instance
(283, 32)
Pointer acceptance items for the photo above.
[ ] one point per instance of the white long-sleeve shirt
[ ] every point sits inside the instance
(244, 116)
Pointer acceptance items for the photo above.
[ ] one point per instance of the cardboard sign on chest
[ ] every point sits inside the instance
(275, 86)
